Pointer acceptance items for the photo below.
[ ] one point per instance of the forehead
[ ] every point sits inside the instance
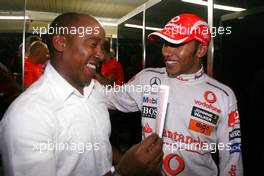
(87, 27)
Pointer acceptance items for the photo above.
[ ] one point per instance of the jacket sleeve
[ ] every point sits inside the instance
(126, 98)
(229, 136)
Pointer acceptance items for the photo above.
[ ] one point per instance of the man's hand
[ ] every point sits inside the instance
(144, 158)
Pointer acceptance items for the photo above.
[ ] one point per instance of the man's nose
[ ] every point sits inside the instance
(166, 51)
(99, 54)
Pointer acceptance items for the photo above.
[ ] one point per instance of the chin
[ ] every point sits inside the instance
(172, 74)
(85, 82)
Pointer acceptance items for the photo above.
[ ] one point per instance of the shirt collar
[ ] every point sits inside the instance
(191, 77)
(62, 87)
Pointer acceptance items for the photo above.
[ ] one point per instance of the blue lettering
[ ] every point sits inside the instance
(236, 147)
(150, 100)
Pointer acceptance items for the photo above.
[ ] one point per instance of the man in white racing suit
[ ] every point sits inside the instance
(201, 116)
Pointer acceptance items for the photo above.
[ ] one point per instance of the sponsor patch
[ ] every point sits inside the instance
(147, 128)
(234, 134)
(150, 100)
(205, 115)
(207, 105)
(200, 127)
(236, 147)
(149, 112)
(233, 118)
(232, 171)
(155, 81)
(210, 96)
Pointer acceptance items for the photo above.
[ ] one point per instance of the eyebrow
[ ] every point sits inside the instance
(94, 38)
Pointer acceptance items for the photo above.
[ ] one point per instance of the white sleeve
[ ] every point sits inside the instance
(23, 132)
(229, 134)
(126, 98)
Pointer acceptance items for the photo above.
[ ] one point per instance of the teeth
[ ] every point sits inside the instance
(171, 62)
(91, 66)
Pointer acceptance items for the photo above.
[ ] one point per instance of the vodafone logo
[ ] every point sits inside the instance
(210, 96)
(233, 118)
(175, 19)
(178, 162)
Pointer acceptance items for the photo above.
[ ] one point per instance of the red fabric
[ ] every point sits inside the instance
(184, 28)
(113, 69)
(32, 71)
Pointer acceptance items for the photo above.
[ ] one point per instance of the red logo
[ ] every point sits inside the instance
(147, 128)
(232, 171)
(207, 105)
(233, 118)
(200, 127)
(210, 96)
(173, 158)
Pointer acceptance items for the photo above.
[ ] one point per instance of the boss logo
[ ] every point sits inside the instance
(149, 112)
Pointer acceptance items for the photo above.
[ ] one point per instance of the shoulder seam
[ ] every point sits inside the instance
(155, 71)
(217, 87)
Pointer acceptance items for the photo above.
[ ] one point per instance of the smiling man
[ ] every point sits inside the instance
(202, 114)
(60, 125)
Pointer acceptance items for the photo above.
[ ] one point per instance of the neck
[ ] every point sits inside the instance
(191, 77)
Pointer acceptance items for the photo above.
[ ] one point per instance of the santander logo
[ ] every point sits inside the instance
(147, 128)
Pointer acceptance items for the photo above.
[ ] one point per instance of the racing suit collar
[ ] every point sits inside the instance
(191, 77)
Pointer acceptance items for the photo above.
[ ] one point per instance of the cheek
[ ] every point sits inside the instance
(83, 53)
(80, 52)
(186, 54)
(162, 50)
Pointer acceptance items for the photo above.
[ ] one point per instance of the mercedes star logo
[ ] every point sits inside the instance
(155, 81)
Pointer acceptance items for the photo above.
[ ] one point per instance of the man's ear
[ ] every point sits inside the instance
(59, 42)
(202, 50)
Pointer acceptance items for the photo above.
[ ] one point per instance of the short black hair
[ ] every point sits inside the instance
(63, 20)
(32, 39)
(107, 46)
(36, 47)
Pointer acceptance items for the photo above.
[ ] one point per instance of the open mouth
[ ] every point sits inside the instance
(91, 66)
(171, 62)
